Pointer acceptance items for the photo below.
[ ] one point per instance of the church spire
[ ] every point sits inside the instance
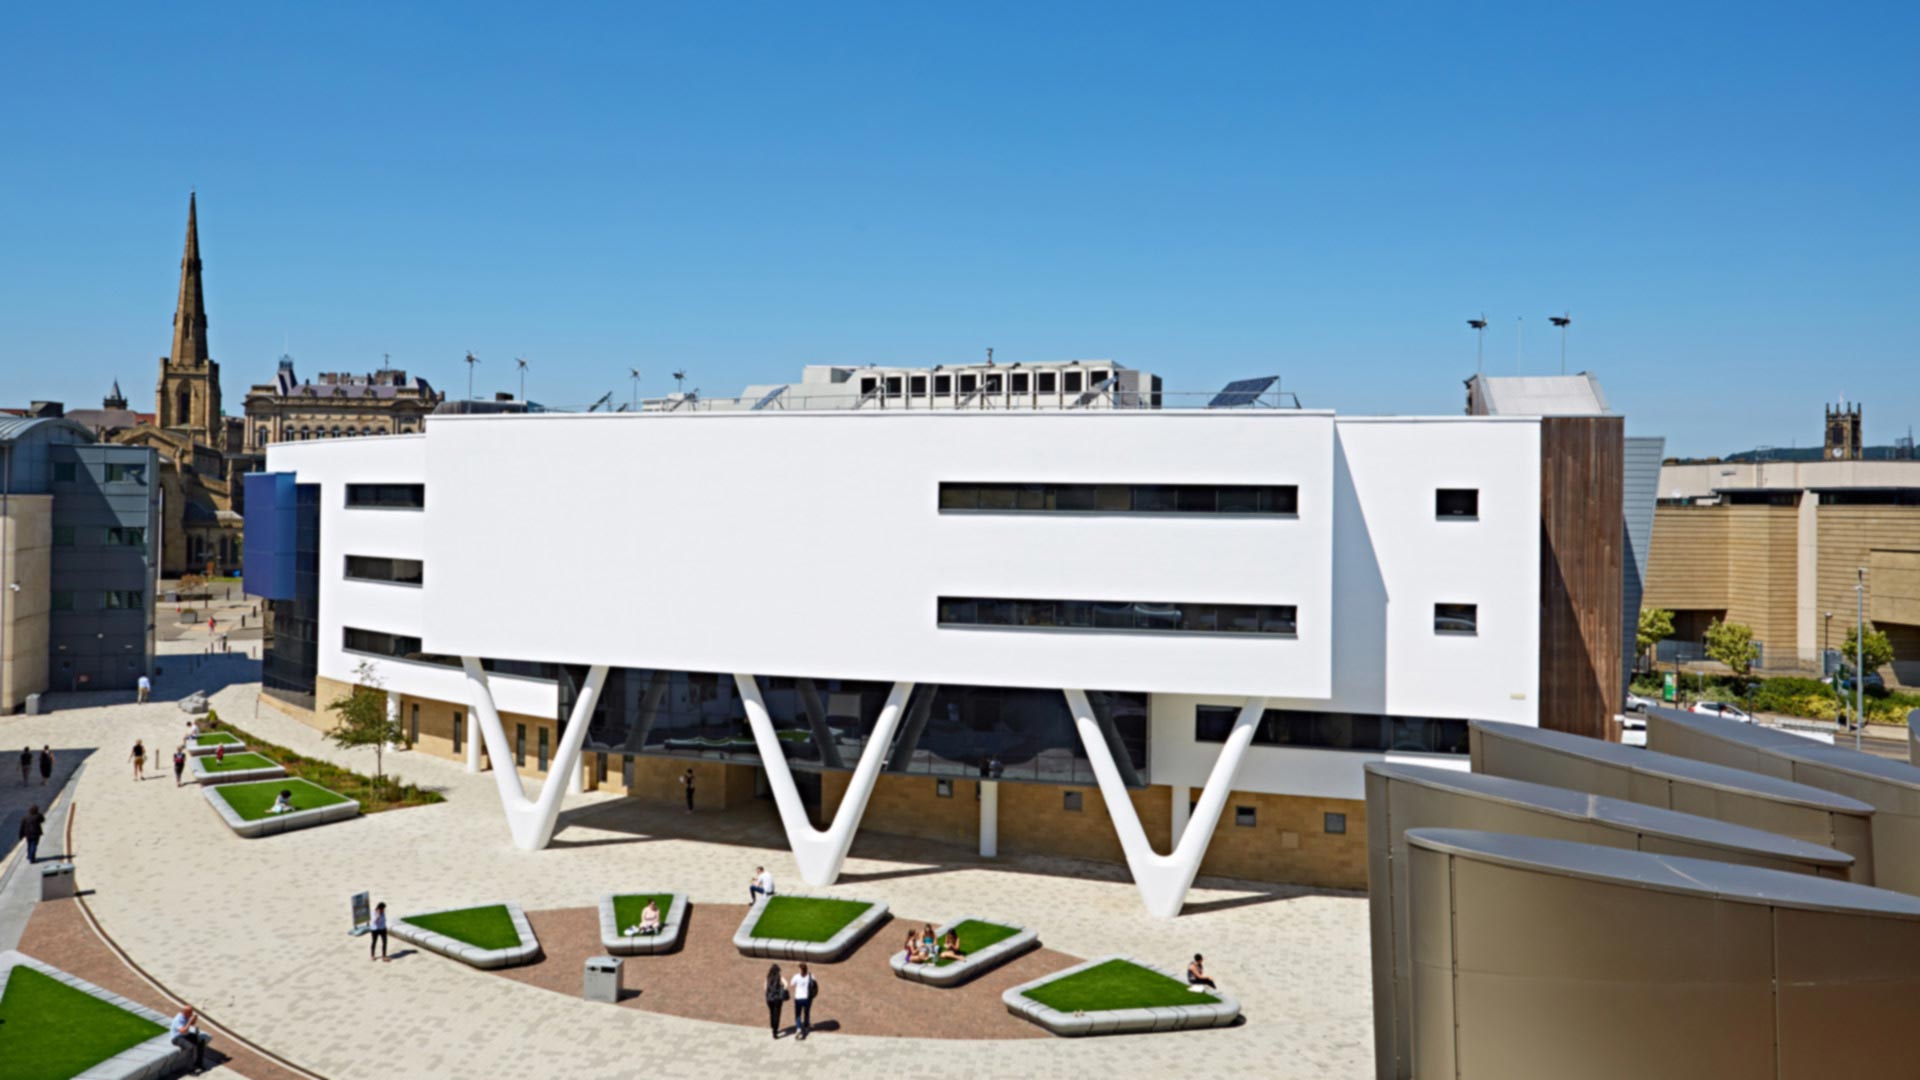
(190, 313)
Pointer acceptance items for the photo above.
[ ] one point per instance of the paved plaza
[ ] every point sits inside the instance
(255, 931)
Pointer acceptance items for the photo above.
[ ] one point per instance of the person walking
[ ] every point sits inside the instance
(185, 1032)
(139, 757)
(179, 763)
(32, 827)
(146, 689)
(805, 989)
(686, 781)
(26, 764)
(776, 997)
(46, 764)
(377, 939)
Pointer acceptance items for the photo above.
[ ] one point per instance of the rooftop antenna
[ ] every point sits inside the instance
(635, 372)
(1480, 346)
(679, 379)
(471, 360)
(989, 356)
(1562, 321)
(1519, 344)
(521, 362)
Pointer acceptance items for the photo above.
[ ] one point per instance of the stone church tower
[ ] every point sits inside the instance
(188, 399)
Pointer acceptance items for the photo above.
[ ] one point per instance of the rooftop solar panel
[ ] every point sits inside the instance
(1242, 392)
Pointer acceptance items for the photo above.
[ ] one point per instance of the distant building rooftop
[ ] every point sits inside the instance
(1536, 395)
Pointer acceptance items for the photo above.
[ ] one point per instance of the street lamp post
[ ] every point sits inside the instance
(1859, 654)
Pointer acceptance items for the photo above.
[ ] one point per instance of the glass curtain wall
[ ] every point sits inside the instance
(1014, 734)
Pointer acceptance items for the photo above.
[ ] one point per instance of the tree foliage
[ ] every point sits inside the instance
(1731, 643)
(1877, 653)
(1656, 626)
(361, 717)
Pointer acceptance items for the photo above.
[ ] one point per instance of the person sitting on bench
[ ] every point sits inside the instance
(650, 919)
(186, 1035)
(950, 947)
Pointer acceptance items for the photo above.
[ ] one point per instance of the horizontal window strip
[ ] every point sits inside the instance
(1272, 620)
(387, 496)
(383, 569)
(1308, 730)
(1268, 500)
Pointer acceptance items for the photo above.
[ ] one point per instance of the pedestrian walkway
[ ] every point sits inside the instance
(249, 929)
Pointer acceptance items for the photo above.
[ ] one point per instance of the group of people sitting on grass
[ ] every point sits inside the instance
(649, 923)
(923, 948)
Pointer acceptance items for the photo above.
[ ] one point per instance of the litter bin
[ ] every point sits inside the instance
(33, 704)
(602, 982)
(56, 881)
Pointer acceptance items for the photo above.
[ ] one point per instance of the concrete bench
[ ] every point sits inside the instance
(527, 951)
(275, 824)
(673, 924)
(819, 952)
(1219, 1013)
(975, 964)
(197, 771)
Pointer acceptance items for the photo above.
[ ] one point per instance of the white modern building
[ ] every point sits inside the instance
(1169, 637)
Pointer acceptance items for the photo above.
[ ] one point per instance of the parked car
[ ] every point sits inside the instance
(1873, 680)
(1722, 710)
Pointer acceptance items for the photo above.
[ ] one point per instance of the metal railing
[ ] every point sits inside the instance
(843, 398)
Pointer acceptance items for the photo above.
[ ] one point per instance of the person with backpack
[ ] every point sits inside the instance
(776, 997)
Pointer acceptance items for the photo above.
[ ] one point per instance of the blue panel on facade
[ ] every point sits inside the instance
(270, 541)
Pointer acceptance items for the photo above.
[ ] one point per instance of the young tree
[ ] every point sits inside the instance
(362, 717)
(1656, 626)
(1877, 653)
(1731, 643)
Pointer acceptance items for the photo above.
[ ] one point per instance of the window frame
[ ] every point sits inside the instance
(1454, 611)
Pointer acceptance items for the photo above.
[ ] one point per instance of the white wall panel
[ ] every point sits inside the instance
(811, 544)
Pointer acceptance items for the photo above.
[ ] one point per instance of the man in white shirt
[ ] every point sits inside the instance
(146, 687)
(761, 885)
(804, 988)
(185, 1030)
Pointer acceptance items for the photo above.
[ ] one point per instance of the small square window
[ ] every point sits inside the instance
(1456, 618)
(1243, 817)
(1070, 801)
(943, 788)
(1334, 824)
(1458, 504)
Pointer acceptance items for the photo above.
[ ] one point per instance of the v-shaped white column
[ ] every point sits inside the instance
(1163, 880)
(532, 821)
(820, 854)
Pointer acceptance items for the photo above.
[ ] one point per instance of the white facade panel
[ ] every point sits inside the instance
(813, 545)
(393, 609)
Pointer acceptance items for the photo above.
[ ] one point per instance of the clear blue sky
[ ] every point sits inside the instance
(1726, 198)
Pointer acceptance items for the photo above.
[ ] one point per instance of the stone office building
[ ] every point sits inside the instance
(337, 405)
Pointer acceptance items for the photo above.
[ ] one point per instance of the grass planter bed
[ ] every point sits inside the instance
(1112, 995)
(244, 806)
(237, 768)
(987, 945)
(820, 929)
(209, 741)
(490, 936)
(374, 797)
(619, 911)
(58, 1026)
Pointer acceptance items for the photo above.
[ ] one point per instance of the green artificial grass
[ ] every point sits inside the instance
(215, 738)
(250, 800)
(806, 918)
(235, 762)
(976, 935)
(480, 927)
(50, 1031)
(627, 909)
(1116, 984)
